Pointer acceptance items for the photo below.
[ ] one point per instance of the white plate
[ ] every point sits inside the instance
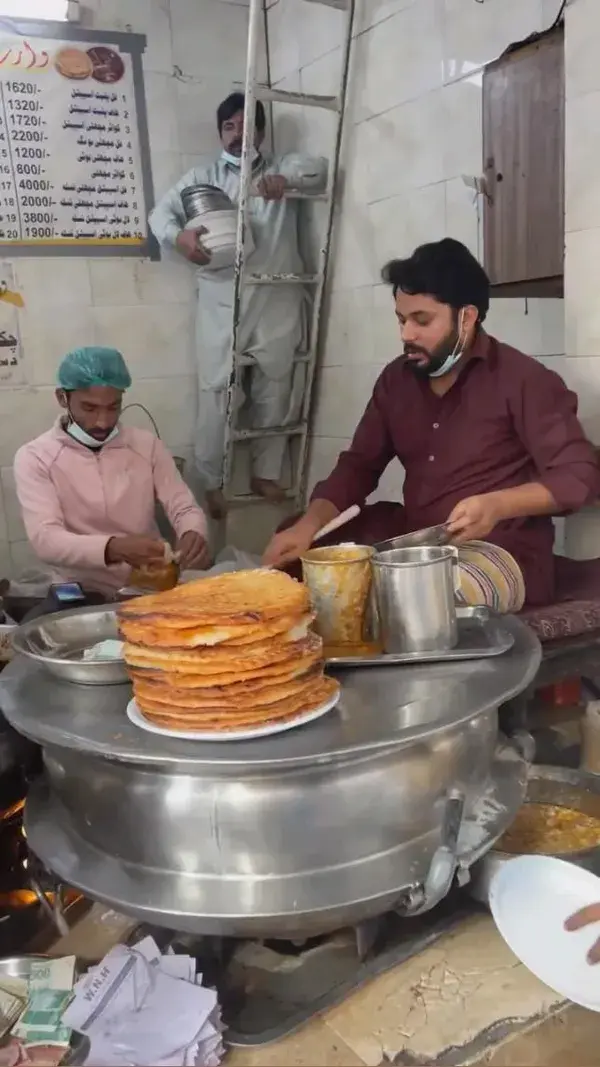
(135, 716)
(530, 898)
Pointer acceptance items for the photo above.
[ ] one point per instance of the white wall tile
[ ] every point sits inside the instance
(114, 282)
(475, 34)
(459, 124)
(463, 216)
(173, 408)
(324, 453)
(398, 60)
(405, 147)
(535, 327)
(582, 285)
(196, 105)
(342, 398)
(370, 12)
(155, 341)
(209, 36)
(56, 283)
(582, 27)
(349, 328)
(150, 17)
(24, 414)
(161, 101)
(582, 153)
(47, 335)
(401, 223)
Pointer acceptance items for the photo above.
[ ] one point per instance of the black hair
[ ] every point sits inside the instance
(445, 270)
(234, 103)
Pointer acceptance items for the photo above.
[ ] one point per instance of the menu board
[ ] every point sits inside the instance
(74, 159)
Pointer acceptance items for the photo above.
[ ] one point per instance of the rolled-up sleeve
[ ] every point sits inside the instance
(545, 415)
(358, 470)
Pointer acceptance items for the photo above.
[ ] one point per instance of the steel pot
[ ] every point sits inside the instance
(547, 785)
(200, 200)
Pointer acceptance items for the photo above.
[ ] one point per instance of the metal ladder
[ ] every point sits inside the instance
(255, 91)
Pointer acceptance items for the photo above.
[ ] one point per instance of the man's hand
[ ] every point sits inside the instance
(287, 546)
(582, 918)
(272, 187)
(188, 243)
(474, 518)
(194, 551)
(136, 551)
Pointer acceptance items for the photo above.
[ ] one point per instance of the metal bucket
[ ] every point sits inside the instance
(414, 593)
(339, 581)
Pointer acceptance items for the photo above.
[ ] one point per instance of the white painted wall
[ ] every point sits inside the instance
(196, 55)
(413, 128)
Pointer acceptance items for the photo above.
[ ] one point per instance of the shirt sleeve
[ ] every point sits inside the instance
(358, 470)
(178, 501)
(167, 219)
(545, 415)
(44, 521)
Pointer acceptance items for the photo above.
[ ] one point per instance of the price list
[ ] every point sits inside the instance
(70, 160)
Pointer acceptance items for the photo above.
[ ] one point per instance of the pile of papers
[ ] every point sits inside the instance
(140, 1007)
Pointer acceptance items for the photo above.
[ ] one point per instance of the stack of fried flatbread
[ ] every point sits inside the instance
(229, 653)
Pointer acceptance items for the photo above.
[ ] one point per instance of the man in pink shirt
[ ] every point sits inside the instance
(88, 487)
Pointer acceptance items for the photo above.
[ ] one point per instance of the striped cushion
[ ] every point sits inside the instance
(490, 577)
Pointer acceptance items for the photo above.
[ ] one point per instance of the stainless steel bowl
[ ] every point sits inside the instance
(433, 536)
(57, 642)
(199, 200)
(20, 967)
(547, 785)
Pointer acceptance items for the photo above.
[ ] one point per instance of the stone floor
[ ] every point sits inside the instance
(465, 1001)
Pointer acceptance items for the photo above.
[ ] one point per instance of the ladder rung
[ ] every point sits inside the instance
(249, 361)
(293, 430)
(342, 5)
(280, 96)
(296, 194)
(253, 498)
(282, 279)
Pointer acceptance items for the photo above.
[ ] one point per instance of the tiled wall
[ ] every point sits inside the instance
(413, 129)
(196, 53)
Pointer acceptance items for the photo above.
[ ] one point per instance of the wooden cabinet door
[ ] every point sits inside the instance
(523, 149)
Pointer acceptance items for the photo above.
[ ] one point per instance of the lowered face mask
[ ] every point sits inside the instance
(236, 161)
(77, 432)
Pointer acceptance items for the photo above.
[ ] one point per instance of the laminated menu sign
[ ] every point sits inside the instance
(70, 158)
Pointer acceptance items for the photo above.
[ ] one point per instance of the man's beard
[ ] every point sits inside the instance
(434, 359)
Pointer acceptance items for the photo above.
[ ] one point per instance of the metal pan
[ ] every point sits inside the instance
(57, 642)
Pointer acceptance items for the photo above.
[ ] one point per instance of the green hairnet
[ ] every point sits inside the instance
(84, 367)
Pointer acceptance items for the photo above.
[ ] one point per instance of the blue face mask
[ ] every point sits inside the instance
(236, 161)
(455, 355)
(75, 431)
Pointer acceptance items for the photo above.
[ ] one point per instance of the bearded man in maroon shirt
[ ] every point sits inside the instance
(488, 437)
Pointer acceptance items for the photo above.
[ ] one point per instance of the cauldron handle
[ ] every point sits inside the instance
(443, 863)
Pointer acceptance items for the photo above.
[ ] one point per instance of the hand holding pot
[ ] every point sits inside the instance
(582, 918)
(188, 243)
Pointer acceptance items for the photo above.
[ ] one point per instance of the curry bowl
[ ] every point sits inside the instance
(58, 643)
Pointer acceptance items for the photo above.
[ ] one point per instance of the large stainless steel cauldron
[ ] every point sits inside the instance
(319, 827)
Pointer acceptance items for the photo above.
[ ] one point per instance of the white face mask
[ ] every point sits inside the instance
(77, 432)
(236, 161)
(456, 353)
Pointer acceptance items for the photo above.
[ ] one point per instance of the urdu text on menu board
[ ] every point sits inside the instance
(74, 157)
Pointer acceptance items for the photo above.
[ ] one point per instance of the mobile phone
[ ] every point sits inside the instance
(67, 593)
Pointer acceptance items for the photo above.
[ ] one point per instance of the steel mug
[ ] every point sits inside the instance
(415, 598)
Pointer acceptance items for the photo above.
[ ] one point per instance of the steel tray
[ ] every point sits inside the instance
(481, 633)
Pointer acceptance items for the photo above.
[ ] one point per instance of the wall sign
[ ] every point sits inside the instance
(11, 355)
(74, 156)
